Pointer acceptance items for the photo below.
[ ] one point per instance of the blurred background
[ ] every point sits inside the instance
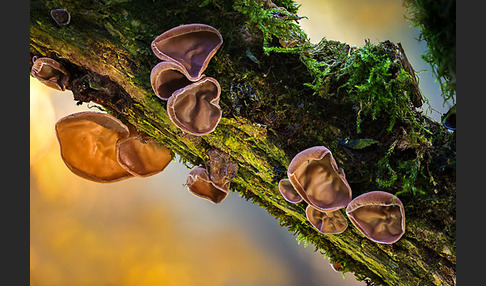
(152, 231)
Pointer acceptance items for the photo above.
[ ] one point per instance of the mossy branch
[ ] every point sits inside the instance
(280, 95)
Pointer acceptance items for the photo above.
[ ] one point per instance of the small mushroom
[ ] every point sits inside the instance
(221, 168)
(328, 222)
(314, 175)
(167, 77)
(380, 216)
(199, 184)
(88, 145)
(191, 45)
(49, 72)
(338, 266)
(61, 16)
(142, 157)
(288, 192)
(195, 108)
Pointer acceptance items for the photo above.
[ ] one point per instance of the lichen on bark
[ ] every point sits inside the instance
(280, 95)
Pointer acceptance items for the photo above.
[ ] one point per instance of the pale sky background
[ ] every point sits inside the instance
(152, 231)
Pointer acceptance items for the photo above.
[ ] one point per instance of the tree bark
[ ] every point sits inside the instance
(280, 95)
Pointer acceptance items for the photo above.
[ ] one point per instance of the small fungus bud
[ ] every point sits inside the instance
(288, 192)
(61, 16)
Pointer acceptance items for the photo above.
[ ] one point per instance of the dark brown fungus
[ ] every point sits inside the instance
(221, 168)
(195, 108)
(61, 16)
(88, 145)
(338, 266)
(142, 157)
(167, 77)
(328, 222)
(191, 46)
(380, 216)
(288, 192)
(314, 175)
(199, 184)
(50, 72)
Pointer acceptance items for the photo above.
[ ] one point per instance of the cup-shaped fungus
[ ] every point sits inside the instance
(195, 108)
(142, 157)
(192, 46)
(167, 77)
(329, 222)
(288, 192)
(314, 175)
(88, 145)
(50, 73)
(380, 216)
(199, 184)
(61, 16)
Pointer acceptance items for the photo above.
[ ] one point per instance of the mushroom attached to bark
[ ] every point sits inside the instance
(167, 77)
(328, 222)
(88, 145)
(288, 192)
(195, 108)
(199, 184)
(50, 73)
(315, 176)
(191, 46)
(142, 157)
(380, 216)
(61, 16)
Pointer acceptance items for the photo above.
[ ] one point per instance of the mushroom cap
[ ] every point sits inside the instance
(87, 141)
(50, 72)
(199, 184)
(61, 16)
(142, 158)
(195, 108)
(380, 216)
(167, 77)
(191, 45)
(288, 192)
(338, 266)
(328, 222)
(313, 173)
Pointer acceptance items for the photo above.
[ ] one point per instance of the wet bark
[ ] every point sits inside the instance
(277, 102)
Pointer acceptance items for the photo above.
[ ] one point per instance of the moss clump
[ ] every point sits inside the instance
(436, 20)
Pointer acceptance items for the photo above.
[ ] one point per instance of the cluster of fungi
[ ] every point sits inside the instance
(314, 177)
(99, 147)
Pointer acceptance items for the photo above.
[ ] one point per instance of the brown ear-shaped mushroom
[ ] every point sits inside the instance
(191, 45)
(329, 222)
(314, 175)
(50, 73)
(61, 16)
(142, 158)
(288, 191)
(167, 77)
(195, 108)
(380, 216)
(87, 141)
(199, 184)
